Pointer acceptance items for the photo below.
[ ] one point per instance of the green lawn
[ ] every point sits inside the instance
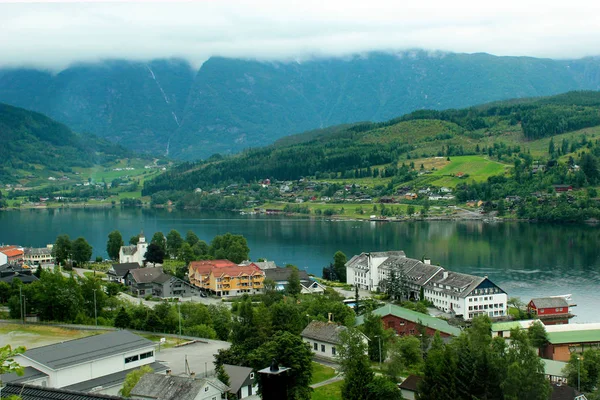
(321, 373)
(333, 391)
(477, 168)
(349, 210)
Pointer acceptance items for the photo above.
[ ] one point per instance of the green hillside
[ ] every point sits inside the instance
(32, 144)
(493, 136)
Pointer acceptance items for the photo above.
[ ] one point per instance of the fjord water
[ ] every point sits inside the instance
(525, 259)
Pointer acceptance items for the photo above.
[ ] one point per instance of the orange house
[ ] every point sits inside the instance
(225, 278)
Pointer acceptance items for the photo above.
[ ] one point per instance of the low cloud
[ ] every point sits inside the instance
(55, 35)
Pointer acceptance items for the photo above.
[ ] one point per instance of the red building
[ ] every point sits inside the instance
(407, 322)
(549, 307)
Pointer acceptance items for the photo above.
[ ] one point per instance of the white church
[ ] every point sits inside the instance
(134, 253)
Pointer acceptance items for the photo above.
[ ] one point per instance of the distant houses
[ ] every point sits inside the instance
(459, 294)
(324, 338)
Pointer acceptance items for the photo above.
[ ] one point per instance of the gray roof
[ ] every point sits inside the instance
(550, 302)
(35, 251)
(169, 387)
(415, 271)
(261, 264)
(122, 269)
(361, 261)
(111, 380)
(238, 376)
(327, 332)
(31, 392)
(146, 275)
(73, 352)
(129, 250)
(29, 373)
(283, 274)
(461, 285)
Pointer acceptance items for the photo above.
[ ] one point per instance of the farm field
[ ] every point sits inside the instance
(461, 168)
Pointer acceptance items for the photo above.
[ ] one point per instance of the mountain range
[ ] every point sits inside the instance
(167, 107)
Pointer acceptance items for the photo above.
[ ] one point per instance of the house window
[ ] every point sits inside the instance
(323, 348)
(206, 388)
(333, 350)
(316, 346)
(131, 359)
(251, 375)
(146, 355)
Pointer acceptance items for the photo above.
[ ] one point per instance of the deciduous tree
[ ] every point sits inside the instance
(133, 378)
(61, 251)
(113, 246)
(355, 364)
(81, 251)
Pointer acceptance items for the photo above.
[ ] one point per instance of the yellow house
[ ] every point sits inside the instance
(224, 278)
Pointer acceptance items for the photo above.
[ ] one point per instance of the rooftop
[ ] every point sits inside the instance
(146, 275)
(31, 392)
(413, 316)
(283, 274)
(169, 387)
(577, 336)
(122, 269)
(323, 331)
(73, 352)
(550, 302)
(237, 376)
(507, 326)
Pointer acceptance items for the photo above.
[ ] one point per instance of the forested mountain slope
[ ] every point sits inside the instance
(498, 129)
(230, 104)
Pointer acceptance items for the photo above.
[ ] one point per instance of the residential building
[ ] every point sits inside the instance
(549, 308)
(92, 364)
(502, 329)
(408, 322)
(13, 254)
(3, 258)
(169, 387)
(323, 338)
(261, 264)
(281, 277)
(461, 295)
(134, 253)
(117, 272)
(242, 381)
(154, 282)
(38, 256)
(553, 370)
(224, 278)
(32, 392)
(409, 387)
(8, 272)
(560, 391)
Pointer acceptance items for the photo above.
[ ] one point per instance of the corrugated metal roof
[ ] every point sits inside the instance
(323, 331)
(169, 387)
(30, 392)
(574, 336)
(550, 302)
(72, 352)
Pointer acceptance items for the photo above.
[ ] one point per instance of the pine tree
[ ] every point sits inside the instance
(122, 320)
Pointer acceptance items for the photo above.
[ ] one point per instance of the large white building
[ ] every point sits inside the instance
(459, 294)
(134, 253)
(92, 364)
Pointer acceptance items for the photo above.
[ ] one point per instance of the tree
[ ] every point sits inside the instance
(355, 364)
(293, 287)
(191, 238)
(174, 243)
(61, 251)
(537, 335)
(383, 388)
(7, 362)
(133, 378)
(154, 254)
(378, 336)
(410, 210)
(224, 377)
(159, 239)
(134, 240)
(186, 253)
(81, 251)
(585, 369)
(231, 247)
(339, 266)
(113, 246)
(122, 320)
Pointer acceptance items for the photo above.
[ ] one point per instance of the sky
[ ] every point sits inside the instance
(54, 35)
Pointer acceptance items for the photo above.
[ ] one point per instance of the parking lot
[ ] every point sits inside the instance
(199, 357)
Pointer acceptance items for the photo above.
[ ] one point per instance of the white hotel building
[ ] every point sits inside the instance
(459, 294)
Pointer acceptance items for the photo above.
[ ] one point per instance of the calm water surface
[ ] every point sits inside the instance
(526, 260)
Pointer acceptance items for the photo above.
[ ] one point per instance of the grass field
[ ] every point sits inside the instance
(333, 391)
(321, 373)
(31, 336)
(475, 168)
(349, 210)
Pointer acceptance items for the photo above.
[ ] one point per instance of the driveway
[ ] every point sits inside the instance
(194, 299)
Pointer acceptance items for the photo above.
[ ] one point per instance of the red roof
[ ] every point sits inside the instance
(205, 266)
(13, 252)
(238, 270)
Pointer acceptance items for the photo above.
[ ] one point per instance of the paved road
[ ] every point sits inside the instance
(195, 299)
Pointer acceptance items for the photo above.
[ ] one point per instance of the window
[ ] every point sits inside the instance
(323, 348)
(131, 359)
(206, 388)
(316, 346)
(251, 375)
(333, 350)
(146, 355)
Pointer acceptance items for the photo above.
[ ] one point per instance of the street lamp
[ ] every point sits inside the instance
(179, 309)
(95, 310)
(579, 358)
(24, 309)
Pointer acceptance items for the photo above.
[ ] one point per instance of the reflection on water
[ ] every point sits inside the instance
(526, 260)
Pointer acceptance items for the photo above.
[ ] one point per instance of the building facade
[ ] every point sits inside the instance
(458, 294)
(224, 278)
(549, 307)
(38, 256)
(323, 338)
(134, 253)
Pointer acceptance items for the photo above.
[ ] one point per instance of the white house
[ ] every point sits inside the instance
(242, 381)
(459, 294)
(169, 387)
(3, 258)
(134, 253)
(92, 364)
(323, 338)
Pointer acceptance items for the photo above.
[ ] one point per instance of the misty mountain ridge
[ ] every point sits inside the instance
(232, 104)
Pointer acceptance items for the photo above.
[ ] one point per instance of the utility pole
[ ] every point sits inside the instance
(179, 308)
(379, 340)
(95, 311)
(21, 302)
(24, 309)
(579, 358)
